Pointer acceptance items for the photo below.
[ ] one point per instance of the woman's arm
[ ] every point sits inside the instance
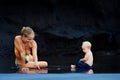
(34, 51)
(19, 47)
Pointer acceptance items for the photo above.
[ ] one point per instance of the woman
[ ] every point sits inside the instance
(24, 46)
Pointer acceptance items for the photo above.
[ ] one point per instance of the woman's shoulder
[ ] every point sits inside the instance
(17, 37)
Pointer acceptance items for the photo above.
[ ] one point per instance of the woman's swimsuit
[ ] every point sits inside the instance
(26, 56)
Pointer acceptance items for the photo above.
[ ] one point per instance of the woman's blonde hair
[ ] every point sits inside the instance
(27, 31)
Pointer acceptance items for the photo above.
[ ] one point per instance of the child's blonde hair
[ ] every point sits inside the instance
(87, 44)
(27, 31)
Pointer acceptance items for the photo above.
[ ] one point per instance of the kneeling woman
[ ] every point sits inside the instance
(26, 50)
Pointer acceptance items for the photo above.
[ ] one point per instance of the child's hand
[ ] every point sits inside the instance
(83, 59)
(80, 59)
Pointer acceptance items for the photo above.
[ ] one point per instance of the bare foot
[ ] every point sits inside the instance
(73, 66)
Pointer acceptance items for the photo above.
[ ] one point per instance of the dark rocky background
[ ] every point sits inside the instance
(60, 27)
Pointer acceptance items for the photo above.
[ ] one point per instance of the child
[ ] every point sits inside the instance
(26, 51)
(85, 63)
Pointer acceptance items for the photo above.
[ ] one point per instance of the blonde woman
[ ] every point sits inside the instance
(26, 51)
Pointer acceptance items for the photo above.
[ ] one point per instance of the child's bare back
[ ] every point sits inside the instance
(88, 59)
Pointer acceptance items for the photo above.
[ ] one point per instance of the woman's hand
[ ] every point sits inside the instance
(37, 65)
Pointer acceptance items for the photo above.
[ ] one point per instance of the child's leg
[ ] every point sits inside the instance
(81, 64)
(81, 67)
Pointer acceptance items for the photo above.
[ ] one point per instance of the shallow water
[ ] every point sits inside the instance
(67, 76)
(53, 69)
(102, 64)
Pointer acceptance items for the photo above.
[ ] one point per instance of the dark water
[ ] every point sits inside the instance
(50, 69)
(61, 64)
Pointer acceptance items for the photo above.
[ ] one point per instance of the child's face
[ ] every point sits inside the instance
(85, 49)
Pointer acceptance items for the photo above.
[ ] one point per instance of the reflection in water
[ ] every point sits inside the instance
(82, 69)
(54, 70)
(89, 72)
(34, 71)
(45, 71)
(78, 70)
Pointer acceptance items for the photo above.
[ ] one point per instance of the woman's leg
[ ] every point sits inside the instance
(31, 64)
(42, 64)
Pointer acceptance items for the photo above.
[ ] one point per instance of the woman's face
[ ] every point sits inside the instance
(28, 38)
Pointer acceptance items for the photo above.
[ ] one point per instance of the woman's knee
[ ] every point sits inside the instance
(43, 64)
(46, 64)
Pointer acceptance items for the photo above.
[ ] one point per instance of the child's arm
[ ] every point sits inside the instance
(85, 58)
